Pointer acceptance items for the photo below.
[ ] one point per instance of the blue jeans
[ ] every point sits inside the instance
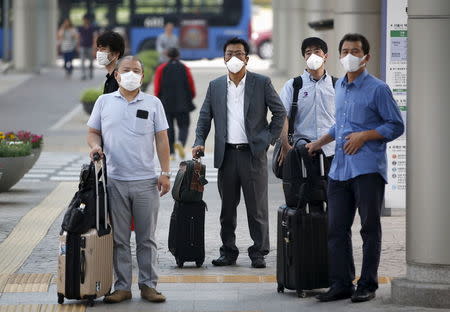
(365, 193)
(68, 57)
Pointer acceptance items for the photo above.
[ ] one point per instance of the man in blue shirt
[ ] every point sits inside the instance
(367, 117)
(316, 109)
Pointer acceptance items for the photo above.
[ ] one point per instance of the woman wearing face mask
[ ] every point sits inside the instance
(367, 117)
(110, 48)
(68, 38)
(238, 103)
(129, 126)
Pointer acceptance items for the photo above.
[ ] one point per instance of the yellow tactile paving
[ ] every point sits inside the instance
(43, 308)
(16, 248)
(28, 283)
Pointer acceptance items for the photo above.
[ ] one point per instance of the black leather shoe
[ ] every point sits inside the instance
(363, 294)
(223, 261)
(258, 263)
(335, 293)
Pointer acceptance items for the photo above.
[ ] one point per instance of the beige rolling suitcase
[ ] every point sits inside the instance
(85, 260)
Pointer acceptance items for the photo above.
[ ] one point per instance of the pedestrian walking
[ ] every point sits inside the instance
(110, 48)
(238, 104)
(165, 41)
(174, 86)
(67, 37)
(87, 38)
(367, 117)
(125, 125)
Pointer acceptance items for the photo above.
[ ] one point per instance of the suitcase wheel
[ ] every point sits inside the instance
(180, 263)
(60, 298)
(198, 263)
(280, 288)
(301, 294)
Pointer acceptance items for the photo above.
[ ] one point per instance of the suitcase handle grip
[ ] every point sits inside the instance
(82, 266)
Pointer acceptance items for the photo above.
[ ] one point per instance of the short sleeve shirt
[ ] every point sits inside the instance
(128, 132)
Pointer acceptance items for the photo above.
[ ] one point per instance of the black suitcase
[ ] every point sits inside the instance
(302, 254)
(187, 232)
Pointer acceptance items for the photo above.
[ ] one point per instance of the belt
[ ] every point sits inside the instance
(239, 147)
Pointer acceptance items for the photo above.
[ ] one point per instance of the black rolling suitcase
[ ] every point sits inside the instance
(187, 223)
(187, 232)
(302, 255)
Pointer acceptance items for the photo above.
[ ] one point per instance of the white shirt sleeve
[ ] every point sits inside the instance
(286, 95)
(95, 120)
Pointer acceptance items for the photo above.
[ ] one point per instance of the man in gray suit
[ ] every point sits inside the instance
(238, 103)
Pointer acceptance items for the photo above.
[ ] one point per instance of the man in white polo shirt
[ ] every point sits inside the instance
(128, 122)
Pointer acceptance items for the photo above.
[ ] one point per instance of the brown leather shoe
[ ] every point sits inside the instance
(118, 296)
(151, 294)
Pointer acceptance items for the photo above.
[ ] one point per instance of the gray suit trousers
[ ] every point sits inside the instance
(242, 170)
(141, 200)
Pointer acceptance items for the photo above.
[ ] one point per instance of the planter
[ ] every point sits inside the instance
(35, 152)
(88, 107)
(13, 169)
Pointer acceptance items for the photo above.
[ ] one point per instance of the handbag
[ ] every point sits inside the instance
(276, 168)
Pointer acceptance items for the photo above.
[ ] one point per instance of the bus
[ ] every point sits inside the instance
(202, 26)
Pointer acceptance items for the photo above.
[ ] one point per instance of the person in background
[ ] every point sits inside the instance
(165, 41)
(110, 48)
(67, 37)
(87, 38)
(174, 85)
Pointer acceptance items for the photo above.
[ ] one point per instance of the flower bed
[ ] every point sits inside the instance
(18, 153)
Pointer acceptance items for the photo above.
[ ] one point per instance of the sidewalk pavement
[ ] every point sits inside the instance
(234, 288)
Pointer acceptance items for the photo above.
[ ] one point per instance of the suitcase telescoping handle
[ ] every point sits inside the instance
(97, 160)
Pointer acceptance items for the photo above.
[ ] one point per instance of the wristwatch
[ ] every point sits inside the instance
(166, 173)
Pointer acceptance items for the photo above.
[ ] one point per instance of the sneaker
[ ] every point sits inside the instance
(172, 157)
(150, 294)
(180, 150)
(118, 296)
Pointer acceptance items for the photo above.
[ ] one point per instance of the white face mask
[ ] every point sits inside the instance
(314, 62)
(130, 81)
(234, 65)
(352, 63)
(102, 58)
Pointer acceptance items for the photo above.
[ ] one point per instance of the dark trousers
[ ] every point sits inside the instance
(365, 193)
(68, 57)
(183, 122)
(241, 170)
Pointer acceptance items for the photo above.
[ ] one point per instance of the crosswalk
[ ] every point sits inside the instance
(65, 167)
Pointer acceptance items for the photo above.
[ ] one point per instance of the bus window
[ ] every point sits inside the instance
(156, 7)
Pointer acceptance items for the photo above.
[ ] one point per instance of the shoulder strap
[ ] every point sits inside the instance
(297, 84)
(333, 81)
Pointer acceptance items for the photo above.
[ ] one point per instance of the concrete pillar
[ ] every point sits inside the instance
(295, 34)
(282, 37)
(360, 16)
(427, 281)
(275, 32)
(34, 31)
(316, 11)
(24, 35)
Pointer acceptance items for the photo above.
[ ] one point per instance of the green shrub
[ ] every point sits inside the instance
(150, 58)
(14, 149)
(90, 95)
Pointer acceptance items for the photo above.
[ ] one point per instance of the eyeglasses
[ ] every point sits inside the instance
(234, 53)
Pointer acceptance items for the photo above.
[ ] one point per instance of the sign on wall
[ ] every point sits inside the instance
(396, 43)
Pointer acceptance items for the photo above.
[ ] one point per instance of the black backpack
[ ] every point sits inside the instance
(80, 215)
(189, 182)
(304, 180)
